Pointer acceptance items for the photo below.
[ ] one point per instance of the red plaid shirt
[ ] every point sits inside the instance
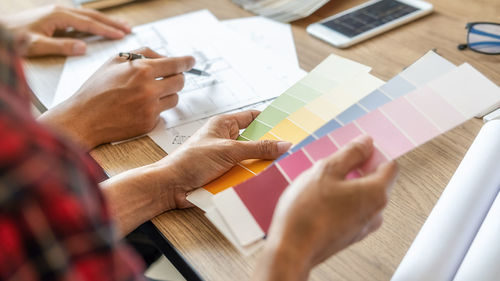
(54, 224)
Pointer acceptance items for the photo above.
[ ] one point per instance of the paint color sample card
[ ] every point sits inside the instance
(396, 127)
(427, 68)
(339, 82)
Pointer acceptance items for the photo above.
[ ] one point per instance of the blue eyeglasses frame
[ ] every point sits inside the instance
(470, 29)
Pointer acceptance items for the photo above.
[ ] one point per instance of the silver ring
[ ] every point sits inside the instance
(131, 56)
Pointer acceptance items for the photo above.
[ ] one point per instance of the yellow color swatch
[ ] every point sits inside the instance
(268, 136)
(306, 119)
(323, 108)
(288, 131)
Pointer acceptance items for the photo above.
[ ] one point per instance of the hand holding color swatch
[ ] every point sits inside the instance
(397, 127)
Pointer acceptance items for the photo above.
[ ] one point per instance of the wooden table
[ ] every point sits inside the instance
(424, 172)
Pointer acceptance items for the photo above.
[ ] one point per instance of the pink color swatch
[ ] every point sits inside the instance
(412, 122)
(295, 164)
(389, 139)
(260, 194)
(345, 134)
(436, 108)
(320, 148)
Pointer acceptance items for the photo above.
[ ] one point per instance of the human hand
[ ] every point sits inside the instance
(123, 99)
(139, 194)
(212, 151)
(322, 212)
(38, 26)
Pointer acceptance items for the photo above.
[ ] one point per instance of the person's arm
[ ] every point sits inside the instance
(37, 28)
(140, 194)
(322, 212)
(123, 99)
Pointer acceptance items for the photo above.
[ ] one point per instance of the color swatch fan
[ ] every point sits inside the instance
(425, 100)
(396, 127)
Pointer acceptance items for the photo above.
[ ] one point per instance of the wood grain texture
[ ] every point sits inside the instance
(423, 173)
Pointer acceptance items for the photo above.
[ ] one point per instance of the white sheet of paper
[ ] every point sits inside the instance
(438, 250)
(242, 72)
(481, 261)
(276, 37)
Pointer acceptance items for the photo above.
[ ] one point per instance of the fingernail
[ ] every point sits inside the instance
(283, 146)
(192, 62)
(120, 34)
(126, 25)
(79, 48)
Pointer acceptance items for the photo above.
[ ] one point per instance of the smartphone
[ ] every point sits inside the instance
(367, 20)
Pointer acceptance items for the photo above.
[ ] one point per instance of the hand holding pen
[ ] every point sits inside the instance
(122, 99)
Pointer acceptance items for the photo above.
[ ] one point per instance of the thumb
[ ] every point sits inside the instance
(44, 45)
(264, 149)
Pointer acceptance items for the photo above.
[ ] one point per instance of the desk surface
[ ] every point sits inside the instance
(424, 172)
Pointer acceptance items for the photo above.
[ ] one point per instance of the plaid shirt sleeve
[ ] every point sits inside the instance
(54, 224)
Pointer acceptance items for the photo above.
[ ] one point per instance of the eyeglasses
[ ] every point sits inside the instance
(483, 37)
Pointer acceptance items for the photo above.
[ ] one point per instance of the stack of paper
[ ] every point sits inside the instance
(424, 101)
(282, 10)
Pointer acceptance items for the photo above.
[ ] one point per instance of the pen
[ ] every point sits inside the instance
(132, 56)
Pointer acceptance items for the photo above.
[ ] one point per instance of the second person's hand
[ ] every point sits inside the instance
(123, 99)
(323, 212)
(36, 28)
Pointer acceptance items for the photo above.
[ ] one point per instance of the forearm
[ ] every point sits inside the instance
(70, 124)
(136, 196)
(282, 261)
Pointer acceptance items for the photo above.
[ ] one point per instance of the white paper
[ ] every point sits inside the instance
(273, 36)
(242, 73)
(483, 258)
(445, 237)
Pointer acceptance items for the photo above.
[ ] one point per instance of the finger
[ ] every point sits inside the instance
(374, 188)
(384, 177)
(121, 25)
(42, 45)
(86, 24)
(350, 156)
(163, 67)
(171, 84)
(244, 118)
(169, 101)
(264, 149)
